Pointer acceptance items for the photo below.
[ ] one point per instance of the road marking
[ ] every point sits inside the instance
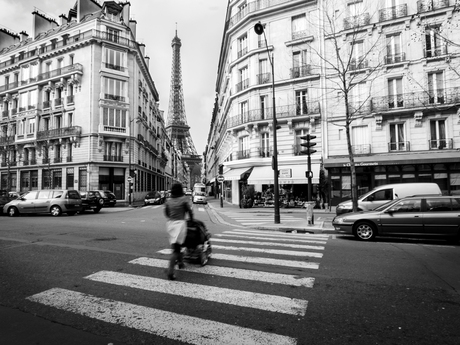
(267, 277)
(183, 328)
(287, 245)
(270, 251)
(257, 260)
(278, 304)
(284, 234)
(270, 239)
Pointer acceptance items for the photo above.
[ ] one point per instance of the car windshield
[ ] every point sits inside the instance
(385, 205)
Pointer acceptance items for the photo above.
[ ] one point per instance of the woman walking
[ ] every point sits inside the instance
(175, 210)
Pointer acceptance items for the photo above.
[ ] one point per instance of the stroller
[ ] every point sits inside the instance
(197, 246)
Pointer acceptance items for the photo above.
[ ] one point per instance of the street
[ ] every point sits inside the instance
(99, 279)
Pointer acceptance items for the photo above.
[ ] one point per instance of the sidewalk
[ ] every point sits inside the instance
(319, 226)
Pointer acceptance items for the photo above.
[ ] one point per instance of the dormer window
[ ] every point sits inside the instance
(112, 14)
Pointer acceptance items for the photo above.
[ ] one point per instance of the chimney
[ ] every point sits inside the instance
(23, 35)
(42, 23)
(142, 48)
(7, 38)
(126, 12)
(147, 61)
(132, 26)
(63, 19)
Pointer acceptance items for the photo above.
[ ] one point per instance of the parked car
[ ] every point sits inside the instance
(109, 198)
(427, 215)
(385, 193)
(199, 194)
(154, 198)
(91, 200)
(53, 201)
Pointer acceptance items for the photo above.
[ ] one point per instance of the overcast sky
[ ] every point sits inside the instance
(200, 26)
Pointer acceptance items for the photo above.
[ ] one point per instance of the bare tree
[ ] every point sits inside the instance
(349, 54)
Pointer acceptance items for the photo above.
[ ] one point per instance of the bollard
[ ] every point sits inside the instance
(310, 216)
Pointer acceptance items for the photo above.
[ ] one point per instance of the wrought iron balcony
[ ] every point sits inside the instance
(57, 160)
(439, 144)
(291, 110)
(46, 161)
(110, 158)
(395, 58)
(356, 21)
(114, 97)
(399, 146)
(114, 67)
(264, 78)
(357, 64)
(244, 84)
(363, 149)
(435, 52)
(70, 99)
(430, 5)
(242, 52)
(243, 154)
(300, 71)
(58, 102)
(59, 132)
(7, 140)
(422, 99)
(265, 152)
(393, 12)
(69, 159)
(299, 34)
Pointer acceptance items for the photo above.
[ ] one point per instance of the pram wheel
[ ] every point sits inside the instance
(203, 258)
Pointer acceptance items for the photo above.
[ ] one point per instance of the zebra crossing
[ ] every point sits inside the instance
(243, 255)
(254, 219)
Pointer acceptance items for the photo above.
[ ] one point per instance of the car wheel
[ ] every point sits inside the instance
(13, 212)
(365, 231)
(101, 202)
(96, 210)
(55, 211)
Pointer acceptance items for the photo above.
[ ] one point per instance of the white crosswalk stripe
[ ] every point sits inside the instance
(245, 219)
(266, 250)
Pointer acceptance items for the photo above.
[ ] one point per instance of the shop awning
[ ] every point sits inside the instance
(289, 174)
(438, 156)
(236, 174)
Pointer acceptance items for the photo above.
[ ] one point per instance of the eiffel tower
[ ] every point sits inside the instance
(176, 125)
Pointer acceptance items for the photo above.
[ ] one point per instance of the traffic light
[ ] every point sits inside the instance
(309, 144)
(221, 169)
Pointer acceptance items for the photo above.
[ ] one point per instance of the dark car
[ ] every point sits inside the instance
(419, 216)
(109, 198)
(91, 200)
(154, 198)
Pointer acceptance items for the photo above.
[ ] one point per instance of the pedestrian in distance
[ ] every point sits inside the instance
(176, 209)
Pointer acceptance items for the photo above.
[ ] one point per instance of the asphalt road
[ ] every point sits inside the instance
(99, 279)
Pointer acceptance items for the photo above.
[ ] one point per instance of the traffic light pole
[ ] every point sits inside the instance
(309, 178)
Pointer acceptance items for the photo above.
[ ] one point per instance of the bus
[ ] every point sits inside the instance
(199, 193)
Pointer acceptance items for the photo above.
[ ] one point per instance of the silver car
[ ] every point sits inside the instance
(53, 201)
(415, 216)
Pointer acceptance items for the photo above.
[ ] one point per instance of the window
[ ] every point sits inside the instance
(243, 77)
(263, 107)
(114, 59)
(357, 56)
(244, 115)
(265, 144)
(264, 74)
(436, 87)
(31, 126)
(299, 64)
(397, 142)
(113, 35)
(434, 44)
(381, 195)
(113, 151)
(394, 53)
(358, 98)
(299, 26)
(114, 89)
(301, 102)
(114, 118)
(395, 96)
(438, 205)
(298, 141)
(412, 205)
(360, 140)
(242, 45)
(438, 134)
(243, 147)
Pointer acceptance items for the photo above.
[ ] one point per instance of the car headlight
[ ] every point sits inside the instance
(341, 220)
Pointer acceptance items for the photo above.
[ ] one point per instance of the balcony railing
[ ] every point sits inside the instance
(244, 84)
(59, 132)
(357, 64)
(393, 12)
(439, 144)
(434, 52)
(300, 71)
(46, 104)
(430, 5)
(114, 97)
(70, 99)
(46, 161)
(356, 21)
(284, 111)
(57, 160)
(426, 99)
(58, 102)
(110, 158)
(243, 154)
(363, 149)
(395, 58)
(399, 146)
(299, 34)
(264, 78)
(69, 159)
(7, 140)
(265, 152)
(242, 52)
(114, 67)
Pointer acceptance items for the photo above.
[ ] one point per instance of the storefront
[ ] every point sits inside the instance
(442, 168)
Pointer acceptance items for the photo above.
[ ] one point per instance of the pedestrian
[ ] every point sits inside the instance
(175, 210)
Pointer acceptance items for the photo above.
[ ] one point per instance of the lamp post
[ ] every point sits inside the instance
(259, 29)
(130, 178)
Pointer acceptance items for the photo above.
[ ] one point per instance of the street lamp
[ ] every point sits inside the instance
(259, 29)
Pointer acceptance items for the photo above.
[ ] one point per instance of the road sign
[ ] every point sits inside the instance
(130, 178)
(220, 178)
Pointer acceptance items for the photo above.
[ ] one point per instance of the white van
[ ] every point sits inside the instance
(199, 193)
(384, 193)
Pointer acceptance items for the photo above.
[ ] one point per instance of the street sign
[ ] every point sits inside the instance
(220, 178)
(130, 178)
